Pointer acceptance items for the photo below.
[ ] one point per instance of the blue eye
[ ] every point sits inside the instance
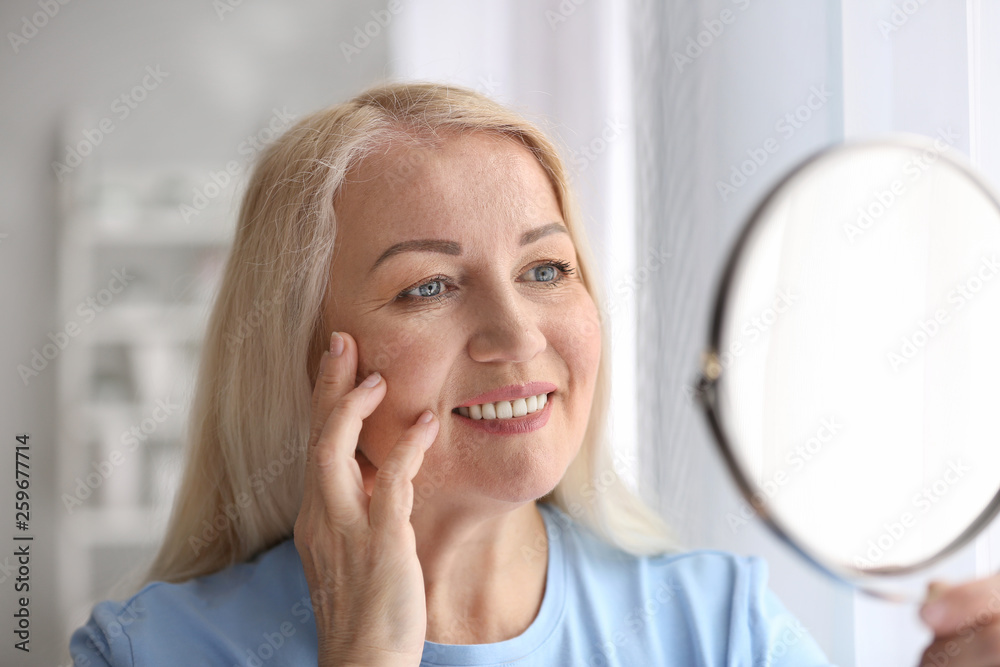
(425, 291)
(434, 289)
(432, 292)
(548, 267)
(564, 270)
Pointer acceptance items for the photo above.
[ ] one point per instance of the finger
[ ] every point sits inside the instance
(336, 378)
(392, 493)
(974, 647)
(960, 606)
(935, 589)
(367, 470)
(333, 469)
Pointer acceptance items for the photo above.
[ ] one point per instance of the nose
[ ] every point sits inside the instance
(505, 328)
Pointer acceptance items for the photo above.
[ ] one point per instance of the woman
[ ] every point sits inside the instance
(398, 452)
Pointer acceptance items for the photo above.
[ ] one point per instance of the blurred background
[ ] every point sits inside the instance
(129, 130)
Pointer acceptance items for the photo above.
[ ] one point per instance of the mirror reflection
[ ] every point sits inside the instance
(857, 355)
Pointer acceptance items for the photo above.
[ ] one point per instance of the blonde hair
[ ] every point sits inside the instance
(249, 426)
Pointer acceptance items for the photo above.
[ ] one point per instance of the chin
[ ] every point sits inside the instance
(521, 484)
(513, 474)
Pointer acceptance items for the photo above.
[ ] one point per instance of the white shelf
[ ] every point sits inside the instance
(136, 323)
(156, 227)
(135, 355)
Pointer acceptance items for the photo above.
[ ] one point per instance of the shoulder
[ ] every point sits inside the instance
(246, 610)
(697, 603)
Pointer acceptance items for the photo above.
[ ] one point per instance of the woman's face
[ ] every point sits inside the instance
(490, 297)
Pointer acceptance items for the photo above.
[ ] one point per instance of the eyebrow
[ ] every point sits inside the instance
(453, 248)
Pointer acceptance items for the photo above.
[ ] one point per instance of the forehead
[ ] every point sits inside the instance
(469, 180)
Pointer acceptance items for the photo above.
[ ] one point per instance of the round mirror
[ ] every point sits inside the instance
(853, 373)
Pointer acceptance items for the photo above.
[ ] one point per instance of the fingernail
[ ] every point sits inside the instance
(372, 379)
(935, 589)
(336, 344)
(430, 434)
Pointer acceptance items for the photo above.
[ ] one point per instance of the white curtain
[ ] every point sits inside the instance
(656, 102)
(714, 80)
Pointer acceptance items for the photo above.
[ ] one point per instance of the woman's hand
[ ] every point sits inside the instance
(966, 624)
(357, 545)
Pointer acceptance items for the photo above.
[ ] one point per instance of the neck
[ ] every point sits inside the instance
(484, 571)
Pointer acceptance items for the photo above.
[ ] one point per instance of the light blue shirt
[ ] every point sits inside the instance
(601, 606)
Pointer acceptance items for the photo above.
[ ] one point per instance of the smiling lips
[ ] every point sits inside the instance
(505, 409)
(508, 402)
(507, 418)
(510, 393)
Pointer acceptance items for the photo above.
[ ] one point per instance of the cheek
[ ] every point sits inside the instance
(385, 354)
(396, 350)
(580, 339)
(412, 365)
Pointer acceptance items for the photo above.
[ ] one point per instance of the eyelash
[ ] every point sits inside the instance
(565, 270)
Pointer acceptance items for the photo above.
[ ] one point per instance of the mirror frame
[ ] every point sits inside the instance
(711, 370)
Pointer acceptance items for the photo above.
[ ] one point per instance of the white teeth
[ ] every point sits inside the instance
(519, 407)
(505, 409)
